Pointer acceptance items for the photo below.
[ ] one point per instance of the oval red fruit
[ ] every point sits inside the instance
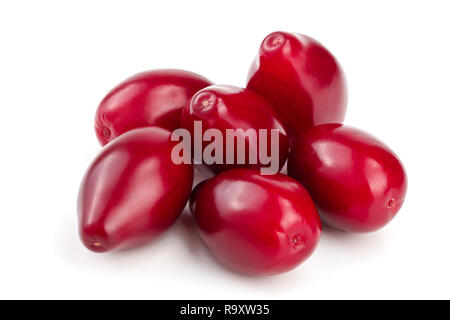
(223, 108)
(154, 97)
(301, 79)
(132, 192)
(356, 181)
(256, 224)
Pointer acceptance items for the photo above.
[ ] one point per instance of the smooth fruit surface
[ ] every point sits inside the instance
(256, 224)
(222, 108)
(301, 79)
(154, 97)
(132, 192)
(356, 181)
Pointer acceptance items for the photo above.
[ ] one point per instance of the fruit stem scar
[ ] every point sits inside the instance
(204, 102)
(390, 203)
(296, 240)
(106, 132)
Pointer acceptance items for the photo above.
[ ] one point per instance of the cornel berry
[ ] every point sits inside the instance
(224, 107)
(256, 224)
(301, 79)
(356, 181)
(153, 97)
(132, 192)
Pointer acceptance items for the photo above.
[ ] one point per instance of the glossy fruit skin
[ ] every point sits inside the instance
(256, 224)
(154, 97)
(301, 79)
(132, 192)
(356, 181)
(230, 107)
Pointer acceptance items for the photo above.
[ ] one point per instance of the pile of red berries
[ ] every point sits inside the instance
(252, 222)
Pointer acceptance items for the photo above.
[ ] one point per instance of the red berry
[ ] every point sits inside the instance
(149, 98)
(256, 224)
(133, 191)
(226, 107)
(356, 181)
(301, 79)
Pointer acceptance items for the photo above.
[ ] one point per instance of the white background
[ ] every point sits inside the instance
(59, 58)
